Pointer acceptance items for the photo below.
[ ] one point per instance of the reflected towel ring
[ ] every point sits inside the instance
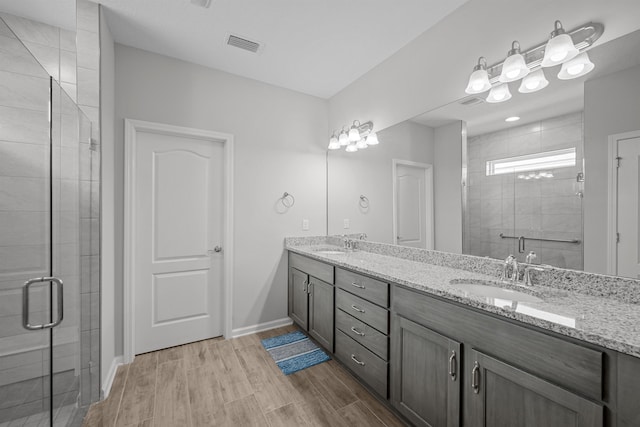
(288, 200)
(364, 202)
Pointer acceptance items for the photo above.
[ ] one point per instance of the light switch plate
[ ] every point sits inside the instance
(346, 223)
(305, 224)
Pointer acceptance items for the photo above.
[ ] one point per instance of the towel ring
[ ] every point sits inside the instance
(364, 202)
(287, 200)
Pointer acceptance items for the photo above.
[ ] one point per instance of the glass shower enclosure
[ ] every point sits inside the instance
(45, 149)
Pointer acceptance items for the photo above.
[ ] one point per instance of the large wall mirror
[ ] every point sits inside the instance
(446, 179)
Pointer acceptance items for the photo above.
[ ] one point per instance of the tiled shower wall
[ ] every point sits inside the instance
(542, 208)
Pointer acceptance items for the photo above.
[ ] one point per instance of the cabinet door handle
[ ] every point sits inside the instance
(353, 357)
(309, 288)
(304, 286)
(357, 332)
(359, 310)
(475, 378)
(357, 285)
(452, 365)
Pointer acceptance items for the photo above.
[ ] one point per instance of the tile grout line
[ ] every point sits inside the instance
(186, 381)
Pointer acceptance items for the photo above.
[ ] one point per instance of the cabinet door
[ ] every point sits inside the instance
(321, 312)
(501, 395)
(298, 301)
(425, 375)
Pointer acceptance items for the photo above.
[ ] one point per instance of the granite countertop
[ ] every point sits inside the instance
(601, 320)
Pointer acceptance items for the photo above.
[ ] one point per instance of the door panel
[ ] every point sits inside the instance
(298, 300)
(179, 205)
(627, 221)
(321, 306)
(412, 207)
(503, 395)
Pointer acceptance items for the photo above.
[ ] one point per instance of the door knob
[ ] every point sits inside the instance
(216, 249)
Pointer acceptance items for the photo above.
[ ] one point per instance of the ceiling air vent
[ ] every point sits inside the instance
(472, 101)
(202, 3)
(243, 43)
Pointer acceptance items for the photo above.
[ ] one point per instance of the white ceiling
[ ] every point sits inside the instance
(312, 46)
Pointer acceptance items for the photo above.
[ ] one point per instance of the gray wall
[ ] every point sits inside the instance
(369, 173)
(280, 141)
(447, 178)
(611, 106)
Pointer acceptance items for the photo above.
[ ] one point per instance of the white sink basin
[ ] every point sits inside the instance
(330, 252)
(490, 291)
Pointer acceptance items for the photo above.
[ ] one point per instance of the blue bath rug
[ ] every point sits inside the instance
(294, 352)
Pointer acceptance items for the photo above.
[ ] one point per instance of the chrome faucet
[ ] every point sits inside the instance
(527, 270)
(508, 262)
(348, 243)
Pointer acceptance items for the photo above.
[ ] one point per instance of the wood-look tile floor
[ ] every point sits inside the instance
(234, 383)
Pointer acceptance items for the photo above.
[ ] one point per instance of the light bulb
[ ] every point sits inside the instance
(514, 67)
(533, 82)
(576, 67)
(559, 48)
(499, 93)
(479, 78)
(354, 133)
(351, 148)
(343, 138)
(361, 144)
(372, 139)
(334, 145)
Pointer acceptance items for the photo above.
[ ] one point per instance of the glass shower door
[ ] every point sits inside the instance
(39, 243)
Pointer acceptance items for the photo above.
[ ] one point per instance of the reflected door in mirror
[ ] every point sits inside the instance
(628, 264)
(413, 205)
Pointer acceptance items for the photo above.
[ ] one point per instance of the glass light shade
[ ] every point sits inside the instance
(533, 82)
(343, 138)
(558, 50)
(513, 68)
(372, 139)
(576, 67)
(478, 82)
(354, 134)
(334, 144)
(361, 144)
(351, 148)
(499, 93)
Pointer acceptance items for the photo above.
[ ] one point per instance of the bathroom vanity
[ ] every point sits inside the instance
(418, 328)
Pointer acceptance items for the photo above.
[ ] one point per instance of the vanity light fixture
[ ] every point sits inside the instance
(347, 137)
(479, 79)
(514, 66)
(576, 67)
(499, 93)
(559, 48)
(533, 82)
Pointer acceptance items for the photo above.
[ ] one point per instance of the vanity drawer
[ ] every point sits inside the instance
(359, 331)
(363, 310)
(362, 362)
(370, 289)
(314, 268)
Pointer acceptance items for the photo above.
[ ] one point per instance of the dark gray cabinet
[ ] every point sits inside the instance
(311, 300)
(298, 297)
(425, 375)
(502, 395)
(321, 312)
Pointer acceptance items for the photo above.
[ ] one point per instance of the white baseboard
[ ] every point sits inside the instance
(261, 327)
(108, 382)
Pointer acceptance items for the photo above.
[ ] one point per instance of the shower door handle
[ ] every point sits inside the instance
(25, 303)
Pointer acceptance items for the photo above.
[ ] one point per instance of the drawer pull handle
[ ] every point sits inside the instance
(475, 378)
(353, 357)
(359, 310)
(357, 332)
(357, 285)
(452, 365)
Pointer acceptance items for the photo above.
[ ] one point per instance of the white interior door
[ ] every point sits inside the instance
(413, 205)
(628, 264)
(178, 230)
